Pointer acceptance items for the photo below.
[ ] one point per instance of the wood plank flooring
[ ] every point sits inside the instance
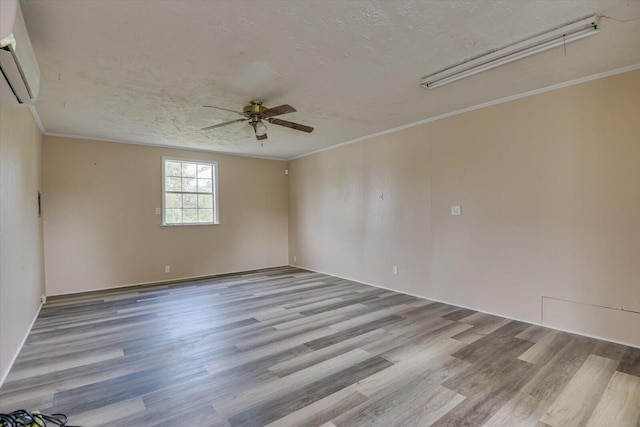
(288, 347)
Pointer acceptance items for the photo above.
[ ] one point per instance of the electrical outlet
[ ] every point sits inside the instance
(157, 211)
(294, 258)
(395, 270)
(167, 268)
(381, 196)
(43, 299)
(455, 210)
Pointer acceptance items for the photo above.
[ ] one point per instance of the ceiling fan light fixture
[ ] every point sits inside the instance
(260, 128)
(543, 41)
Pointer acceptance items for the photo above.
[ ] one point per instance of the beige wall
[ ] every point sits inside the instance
(550, 192)
(21, 259)
(101, 229)
(339, 225)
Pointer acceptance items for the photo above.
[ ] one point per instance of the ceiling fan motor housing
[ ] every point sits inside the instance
(254, 110)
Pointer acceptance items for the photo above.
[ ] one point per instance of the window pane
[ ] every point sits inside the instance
(189, 169)
(205, 201)
(204, 186)
(189, 184)
(173, 184)
(190, 200)
(174, 216)
(172, 168)
(204, 171)
(205, 215)
(188, 197)
(190, 215)
(174, 200)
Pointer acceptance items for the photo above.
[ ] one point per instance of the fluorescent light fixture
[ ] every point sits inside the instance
(529, 46)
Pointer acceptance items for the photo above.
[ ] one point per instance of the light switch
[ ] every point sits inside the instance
(157, 211)
(455, 210)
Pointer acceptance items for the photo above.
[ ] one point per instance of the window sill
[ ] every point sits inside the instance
(189, 225)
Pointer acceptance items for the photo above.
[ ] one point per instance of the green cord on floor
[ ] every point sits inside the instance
(23, 418)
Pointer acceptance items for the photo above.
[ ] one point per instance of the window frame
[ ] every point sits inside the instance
(214, 191)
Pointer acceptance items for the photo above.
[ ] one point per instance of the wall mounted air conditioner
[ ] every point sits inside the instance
(20, 80)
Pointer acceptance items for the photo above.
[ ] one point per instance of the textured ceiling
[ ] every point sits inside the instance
(140, 71)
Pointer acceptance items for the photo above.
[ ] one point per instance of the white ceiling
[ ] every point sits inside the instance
(140, 71)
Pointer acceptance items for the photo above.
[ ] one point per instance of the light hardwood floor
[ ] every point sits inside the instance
(285, 347)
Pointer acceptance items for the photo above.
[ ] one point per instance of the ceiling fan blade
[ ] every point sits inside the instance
(224, 109)
(296, 126)
(280, 109)
(261, 137)
(223, 124)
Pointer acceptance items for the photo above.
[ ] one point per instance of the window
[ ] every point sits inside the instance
(189, 192)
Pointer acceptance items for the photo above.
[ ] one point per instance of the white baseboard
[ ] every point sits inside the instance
(472, 308)
(24, 339)
(163, 282)
(590, 320)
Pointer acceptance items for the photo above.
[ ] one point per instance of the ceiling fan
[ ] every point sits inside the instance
(255, 114)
